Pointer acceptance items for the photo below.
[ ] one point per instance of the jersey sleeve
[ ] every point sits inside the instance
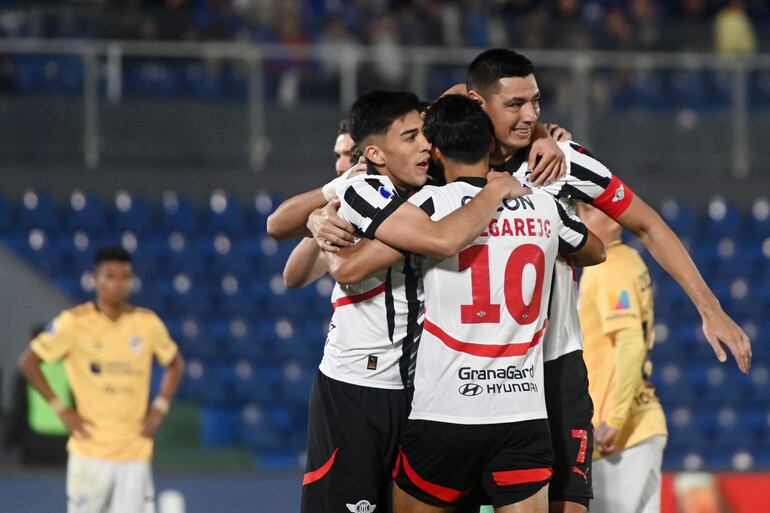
(57, 340)
(163, 347)
(618, 299)
(573, 234)
(590, 181)
(424, 200)
(366, 201)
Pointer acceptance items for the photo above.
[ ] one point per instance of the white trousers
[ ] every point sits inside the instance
(629, 481)
(101, 486)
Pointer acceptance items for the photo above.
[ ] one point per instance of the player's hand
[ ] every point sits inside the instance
(720, 329)
(75, 424)
(546, 161)
(358, 169)
(151, 422)
(508, 186)
(330, 231)
(604, 438)
(559, 134)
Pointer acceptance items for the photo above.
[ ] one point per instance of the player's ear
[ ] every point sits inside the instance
(476, 97)
(374, 154)
(435, 154)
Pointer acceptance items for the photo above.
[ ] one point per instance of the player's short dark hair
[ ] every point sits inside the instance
(459, 128)
(374, 112)
(111, 254)
(344, 127)
(492, 65)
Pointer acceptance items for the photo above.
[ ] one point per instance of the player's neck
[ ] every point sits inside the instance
(454, 170)
(109, 310)
(502, 154)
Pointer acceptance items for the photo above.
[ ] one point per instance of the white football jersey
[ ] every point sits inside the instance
(376, 325)
(587, 180)
(486, 310)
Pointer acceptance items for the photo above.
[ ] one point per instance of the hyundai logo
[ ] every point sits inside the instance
(470, 389)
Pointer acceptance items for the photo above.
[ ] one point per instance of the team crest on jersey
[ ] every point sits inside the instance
(620, 193)
(385, 193)
(624, 301)
(136, 344)
(363, 506)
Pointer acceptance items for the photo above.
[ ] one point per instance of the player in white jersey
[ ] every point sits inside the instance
(360, 397)
(464, 429)
(504, 84)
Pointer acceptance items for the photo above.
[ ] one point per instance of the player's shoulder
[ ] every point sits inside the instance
(143, 314)
(79, 311)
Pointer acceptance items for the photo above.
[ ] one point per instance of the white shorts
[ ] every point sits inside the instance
(629, 481)
(101, 486)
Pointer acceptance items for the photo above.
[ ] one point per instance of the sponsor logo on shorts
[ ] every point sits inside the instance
(470, 389)
(363, 506)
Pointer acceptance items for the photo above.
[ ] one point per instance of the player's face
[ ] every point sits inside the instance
(407, 152)
(514, 109)
(343, 153)
(113, 282)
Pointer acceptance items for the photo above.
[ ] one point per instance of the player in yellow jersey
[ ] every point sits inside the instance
(616, 316)
(108, 347)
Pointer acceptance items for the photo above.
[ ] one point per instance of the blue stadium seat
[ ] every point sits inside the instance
(245, 341)
(680, 216)
(84, 212)
(232, 296)
(223, 213)
(721, 219)
(298, 377)
(758, 218)
(258, 210)
(256, 430)
(177, 213)
(220, 425)
(131, 212)
(256, 383)
(37, 211)
(207, 382)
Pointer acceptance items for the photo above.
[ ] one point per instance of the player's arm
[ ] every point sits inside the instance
(591, 181)
(289, 219)
(353, 264)
(172, 378)
(29, 366)
(577, 241)
(664, 245)
(305, 265)
(410, 228)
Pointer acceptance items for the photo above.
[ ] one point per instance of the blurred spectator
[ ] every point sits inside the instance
(733, 31)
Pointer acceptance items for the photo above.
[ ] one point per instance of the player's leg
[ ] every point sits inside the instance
(352, 443)
(439, 465)
(134, 490)
(89, 484)
(630, 481)
(570, 410)
(537, 503)
(405, 503)
(519, 468)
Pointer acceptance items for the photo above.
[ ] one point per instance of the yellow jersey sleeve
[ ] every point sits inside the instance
(163, 347)
(617, 299)
(57, 340)
(630, 355)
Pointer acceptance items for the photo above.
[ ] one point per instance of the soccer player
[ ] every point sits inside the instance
(346, 153)
(616, 314)
(108, 347)
(478, 413)
(360, 397)
(504, 84)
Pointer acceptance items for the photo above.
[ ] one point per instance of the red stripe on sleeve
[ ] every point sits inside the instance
(443, 493)
(349, 300)
(487, 350)
(315, 475)
(514, 477)
(615, 199)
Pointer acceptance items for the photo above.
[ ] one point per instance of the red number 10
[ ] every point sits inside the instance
(482, 310)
